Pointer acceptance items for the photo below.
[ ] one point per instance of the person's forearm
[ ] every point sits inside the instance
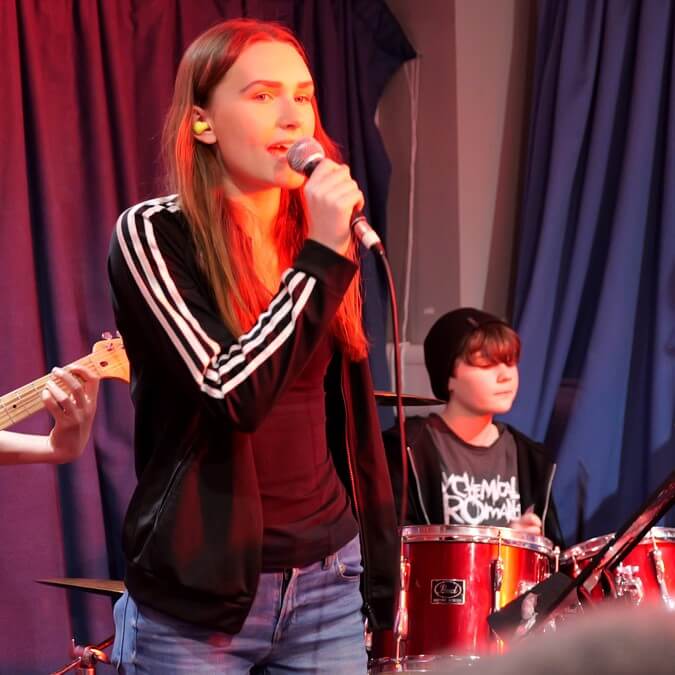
(18, 448)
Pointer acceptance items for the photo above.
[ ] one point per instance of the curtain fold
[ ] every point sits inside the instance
(595, 290)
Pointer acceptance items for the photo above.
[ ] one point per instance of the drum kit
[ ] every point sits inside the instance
(459, 585)
(454, 577)
(467, 592)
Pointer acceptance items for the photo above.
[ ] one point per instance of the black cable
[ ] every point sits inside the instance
(397, 386)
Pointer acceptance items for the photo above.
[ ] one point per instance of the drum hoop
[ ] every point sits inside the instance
(662, 533)
(419, 661)
(478, 534)
(590, 547)
(585, 549)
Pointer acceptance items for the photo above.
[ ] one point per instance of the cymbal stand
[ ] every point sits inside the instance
(86, 657)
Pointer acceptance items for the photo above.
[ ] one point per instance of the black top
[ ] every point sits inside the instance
(306, 511)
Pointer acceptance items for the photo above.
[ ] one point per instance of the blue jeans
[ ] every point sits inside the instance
(307, 620)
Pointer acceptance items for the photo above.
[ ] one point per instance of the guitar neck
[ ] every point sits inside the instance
(24, 401)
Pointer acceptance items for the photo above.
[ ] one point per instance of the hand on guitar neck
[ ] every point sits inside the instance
(69, 394)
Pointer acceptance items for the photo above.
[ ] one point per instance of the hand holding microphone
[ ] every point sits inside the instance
(333, 198)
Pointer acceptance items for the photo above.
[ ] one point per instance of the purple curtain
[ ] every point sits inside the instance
(85, 85)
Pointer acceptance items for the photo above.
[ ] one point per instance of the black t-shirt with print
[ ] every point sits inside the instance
(479, 485)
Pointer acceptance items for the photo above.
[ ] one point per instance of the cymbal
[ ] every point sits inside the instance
(111, 587)
(389, 398)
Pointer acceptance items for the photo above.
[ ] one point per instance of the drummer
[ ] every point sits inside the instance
(465, 467)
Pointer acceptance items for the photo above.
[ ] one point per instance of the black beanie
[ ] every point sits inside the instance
(446, 341)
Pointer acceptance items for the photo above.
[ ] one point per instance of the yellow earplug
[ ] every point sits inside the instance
(200, 127)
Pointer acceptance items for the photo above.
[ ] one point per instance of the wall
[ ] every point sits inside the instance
(456, 248)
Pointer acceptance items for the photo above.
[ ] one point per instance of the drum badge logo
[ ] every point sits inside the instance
(448, 591)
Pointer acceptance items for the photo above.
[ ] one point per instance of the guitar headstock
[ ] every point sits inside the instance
(109, 358)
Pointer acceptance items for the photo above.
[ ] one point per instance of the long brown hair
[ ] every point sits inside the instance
(196, 172)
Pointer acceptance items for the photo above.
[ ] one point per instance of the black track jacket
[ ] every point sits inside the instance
(193, 530)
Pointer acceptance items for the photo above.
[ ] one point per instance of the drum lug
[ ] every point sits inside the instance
(401, 620)
(576, 569)
(556, 558)
(405, 573)
(401, 625)
(627, 583)
(497, 575)
(497, 580)
(660, 572)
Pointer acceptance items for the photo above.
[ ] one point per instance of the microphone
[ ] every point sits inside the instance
(304, 156)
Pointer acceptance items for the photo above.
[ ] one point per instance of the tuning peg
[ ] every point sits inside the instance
(107, 335)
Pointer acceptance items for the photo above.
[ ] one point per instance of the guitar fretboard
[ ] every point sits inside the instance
(26, 400)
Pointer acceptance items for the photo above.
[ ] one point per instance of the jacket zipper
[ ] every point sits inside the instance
(362, 534)
(169, 488)
(162, 504)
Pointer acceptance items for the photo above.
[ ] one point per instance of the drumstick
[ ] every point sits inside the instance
(549, 487)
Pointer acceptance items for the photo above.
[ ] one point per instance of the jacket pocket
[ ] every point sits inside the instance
(168, 494)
